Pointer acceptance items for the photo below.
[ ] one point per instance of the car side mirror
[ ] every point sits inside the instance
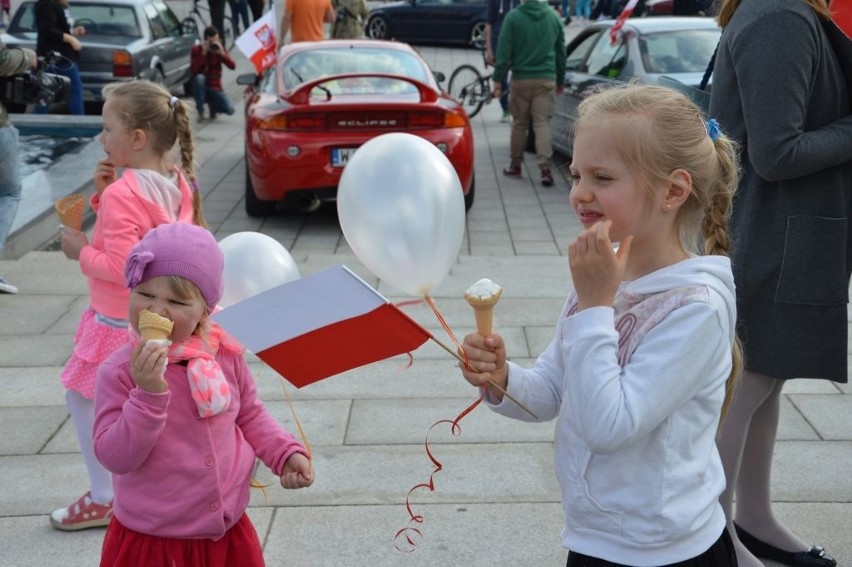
(247, 79)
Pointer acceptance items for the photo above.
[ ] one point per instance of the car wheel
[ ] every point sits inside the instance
(256, 207)
(477, 35)
(378, 28)
(468, 199)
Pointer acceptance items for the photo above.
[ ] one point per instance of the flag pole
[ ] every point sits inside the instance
(490, 382)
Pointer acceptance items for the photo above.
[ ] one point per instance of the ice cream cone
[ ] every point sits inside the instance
(70, 210)
(154, 327)
(483, 296)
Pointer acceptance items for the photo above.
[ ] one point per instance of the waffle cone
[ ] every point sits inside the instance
(153, 326)
(70, 210)
(483, 311)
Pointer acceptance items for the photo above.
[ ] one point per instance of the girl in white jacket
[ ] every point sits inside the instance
(645, 354)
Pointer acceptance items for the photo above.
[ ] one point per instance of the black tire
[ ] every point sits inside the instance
(468, 199)
(377, 27)
(229, 35)
(468, 87)
(256, 207)
(477, 35)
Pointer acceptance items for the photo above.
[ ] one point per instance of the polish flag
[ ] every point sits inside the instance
(258, 42)
(321, 325)
(619, 22)
(841, 13)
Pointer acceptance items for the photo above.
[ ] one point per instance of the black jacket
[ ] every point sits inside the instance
(52, 24)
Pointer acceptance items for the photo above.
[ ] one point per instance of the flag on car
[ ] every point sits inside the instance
(258, 42)
(321, 325)
(619, 21)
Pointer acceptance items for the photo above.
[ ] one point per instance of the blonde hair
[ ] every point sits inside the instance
(147, 106)
(725, 10)
(188, 291)
(660, 131)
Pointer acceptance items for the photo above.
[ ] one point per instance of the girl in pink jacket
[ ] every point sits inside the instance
(141, 123)
(179, 423)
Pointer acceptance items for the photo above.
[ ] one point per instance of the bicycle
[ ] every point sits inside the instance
(195, 22)
(470, 88)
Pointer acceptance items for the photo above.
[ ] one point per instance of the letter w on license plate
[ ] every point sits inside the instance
(340, 156)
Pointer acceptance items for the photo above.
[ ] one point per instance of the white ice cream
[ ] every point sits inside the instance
(483, 289)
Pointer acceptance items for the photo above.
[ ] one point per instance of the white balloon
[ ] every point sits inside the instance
(401, 209)
(254, 263)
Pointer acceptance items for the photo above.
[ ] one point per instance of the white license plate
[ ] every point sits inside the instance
(340, 156)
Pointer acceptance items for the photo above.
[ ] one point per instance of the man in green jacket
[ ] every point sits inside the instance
(12, 62)
(532, 47)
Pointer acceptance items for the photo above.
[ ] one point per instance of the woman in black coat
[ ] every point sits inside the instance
(57, 33)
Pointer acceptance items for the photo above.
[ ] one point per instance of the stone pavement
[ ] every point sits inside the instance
(496, 502)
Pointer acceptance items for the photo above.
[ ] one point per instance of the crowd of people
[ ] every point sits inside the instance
(693, 299)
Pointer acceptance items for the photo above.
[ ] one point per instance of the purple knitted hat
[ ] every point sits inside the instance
(178, 249)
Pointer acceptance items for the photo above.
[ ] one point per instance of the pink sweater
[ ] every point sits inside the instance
(177, 475)
(126, 210)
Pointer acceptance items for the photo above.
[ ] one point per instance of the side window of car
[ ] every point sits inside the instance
(577, 56)
(169, 19)
(158, 30)
(602, 56)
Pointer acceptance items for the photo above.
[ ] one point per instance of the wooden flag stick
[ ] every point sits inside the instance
(490, 382)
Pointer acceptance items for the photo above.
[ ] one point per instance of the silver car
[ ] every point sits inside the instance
(673, 51)
(125, 39)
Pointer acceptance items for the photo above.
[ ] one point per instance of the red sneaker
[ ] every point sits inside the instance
(512, 171)
(81, 515)
(546, 177)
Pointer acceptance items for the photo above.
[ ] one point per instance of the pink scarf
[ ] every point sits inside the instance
(207, 382)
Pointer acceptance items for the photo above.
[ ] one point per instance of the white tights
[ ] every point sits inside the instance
(746, 444)
(83, 415)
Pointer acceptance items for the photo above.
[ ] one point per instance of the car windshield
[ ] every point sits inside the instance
(684, 51)
(103, 19)
(309, 65)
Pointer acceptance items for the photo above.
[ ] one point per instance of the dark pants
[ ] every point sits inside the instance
(504, 84)
(256, 7)
(217, 16)
(720, 554)
(240, 11)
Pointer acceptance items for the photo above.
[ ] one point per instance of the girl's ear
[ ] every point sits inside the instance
(139, 138)
(678, 190)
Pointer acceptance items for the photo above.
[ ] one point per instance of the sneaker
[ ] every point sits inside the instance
(212, 116)
(507, 117)
(546, 177)
(512, 171)
(81, 515)
(6, 287)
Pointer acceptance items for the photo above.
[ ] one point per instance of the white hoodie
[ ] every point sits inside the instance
(637, 391)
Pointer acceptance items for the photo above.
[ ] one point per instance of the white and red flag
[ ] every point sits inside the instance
(619, 21)
(321, 325)
(258, 42)
(841, 13)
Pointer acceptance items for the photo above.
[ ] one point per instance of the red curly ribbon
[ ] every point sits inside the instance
(406, 539)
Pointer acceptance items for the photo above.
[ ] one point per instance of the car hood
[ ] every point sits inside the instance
(390, 6)
(689, 79)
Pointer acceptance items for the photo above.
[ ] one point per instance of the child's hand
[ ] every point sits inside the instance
(297, 472)
(148, 365)
(104, 175)
(486, 358)
(72, 242)
(597, 269)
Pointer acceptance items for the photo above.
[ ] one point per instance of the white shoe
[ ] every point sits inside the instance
(6, 287)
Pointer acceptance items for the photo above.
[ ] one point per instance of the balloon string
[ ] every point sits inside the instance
(406, 539)
(449, 331)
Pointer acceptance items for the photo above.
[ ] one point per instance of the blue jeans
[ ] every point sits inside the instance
(217, 100)
(75, 97)
(10, 180)
(239, 9)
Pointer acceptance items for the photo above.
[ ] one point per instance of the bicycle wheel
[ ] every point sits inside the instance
(469, 88)
(229, 34)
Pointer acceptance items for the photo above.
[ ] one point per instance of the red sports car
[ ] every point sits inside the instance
(308, 114)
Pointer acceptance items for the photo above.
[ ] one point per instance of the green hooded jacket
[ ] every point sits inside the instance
(531, 44)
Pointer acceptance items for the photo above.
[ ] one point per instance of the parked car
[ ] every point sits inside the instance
(308, 114)
(668, 50)
(125, 40)
(658, 8)
(429, 21)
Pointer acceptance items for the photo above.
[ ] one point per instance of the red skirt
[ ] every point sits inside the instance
(124, 547)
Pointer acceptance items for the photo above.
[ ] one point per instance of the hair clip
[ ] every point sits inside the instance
(713, 130)
(173, 101)
(194, 185)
